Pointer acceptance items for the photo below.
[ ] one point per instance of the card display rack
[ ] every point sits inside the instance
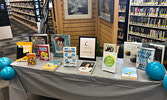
(123, 20)
(28, 12)
(147, 21)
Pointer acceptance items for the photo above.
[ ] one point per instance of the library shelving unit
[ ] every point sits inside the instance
(27, 12)
(147, 21)
(8, 7)
(123, 20)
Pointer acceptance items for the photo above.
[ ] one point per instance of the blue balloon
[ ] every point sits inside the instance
(4, 62)
(7, 73)
(155, 71)
(165, 83)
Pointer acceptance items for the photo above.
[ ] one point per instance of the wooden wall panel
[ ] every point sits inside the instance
(95, 26)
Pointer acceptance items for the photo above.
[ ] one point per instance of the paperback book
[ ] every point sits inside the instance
(52, 65)
(44, 52)
(159, 52)
(109, 62)
(70, 56)
(86, 68)
(23, 48)
(31, 59)
(130, 53)
(37, 39)
(144, 56)
(129, 73)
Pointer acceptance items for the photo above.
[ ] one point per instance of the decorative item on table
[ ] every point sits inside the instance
(165, 83)
(52, 65)
(86, 68)
(129, 73)
(77, 9)
(37, 39)
(106, 10)
(31, 58)
(87, 48)
(159, 52)
(58, 42)
(23, 48)
(109, 62)
(130, 53)
(155, 71)
(70, 56)
(144, 56)
(44, 52)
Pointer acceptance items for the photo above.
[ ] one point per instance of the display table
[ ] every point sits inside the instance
(66, 84)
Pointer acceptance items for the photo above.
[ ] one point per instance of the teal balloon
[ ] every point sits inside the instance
(7, 73)
(155, 71)
(4, 62)
(165, 83)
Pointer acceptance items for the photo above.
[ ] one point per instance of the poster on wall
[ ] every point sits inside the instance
(87, 48)
(106, 10)
(77, 9)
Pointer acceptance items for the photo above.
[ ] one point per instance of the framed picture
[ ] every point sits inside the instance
(106, 10)
(77, 9)
(87, 48)
(58, 42)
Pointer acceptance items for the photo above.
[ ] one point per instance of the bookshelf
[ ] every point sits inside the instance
(147, 21)
(28, 12)
(123, 20)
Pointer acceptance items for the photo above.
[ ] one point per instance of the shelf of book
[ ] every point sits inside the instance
(148, 17)
(21, 1)
(24, 18)
(32, 27)
(24, 13)
(23, 7)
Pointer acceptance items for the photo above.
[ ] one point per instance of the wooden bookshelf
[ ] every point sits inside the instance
(27, 12)
(147, 21)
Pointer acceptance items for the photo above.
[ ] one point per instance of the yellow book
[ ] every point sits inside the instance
(52, 65)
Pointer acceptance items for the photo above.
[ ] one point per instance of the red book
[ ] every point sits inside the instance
(44, 52)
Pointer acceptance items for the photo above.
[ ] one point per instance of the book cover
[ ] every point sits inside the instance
(52, 65)
(144, 56)
(58, 42)
(129, 73)
(130, 53)
(37, 39)
(159, 52)
(69, 56)
(109, 62)
(44, 52)
(23, 48)
(110, 48)
(86, 68)
(31, 59)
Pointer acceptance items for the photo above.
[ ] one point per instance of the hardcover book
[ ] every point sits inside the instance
(130, 53)
(86, 68)
(109, 62)
(37, 39)
(110, 48)
(69, 56)
(52, 65)
(31, 59)
(23, 48)
(159, 52)
(144, 56)
(44, 52)
(129, 73)
(58, 42)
